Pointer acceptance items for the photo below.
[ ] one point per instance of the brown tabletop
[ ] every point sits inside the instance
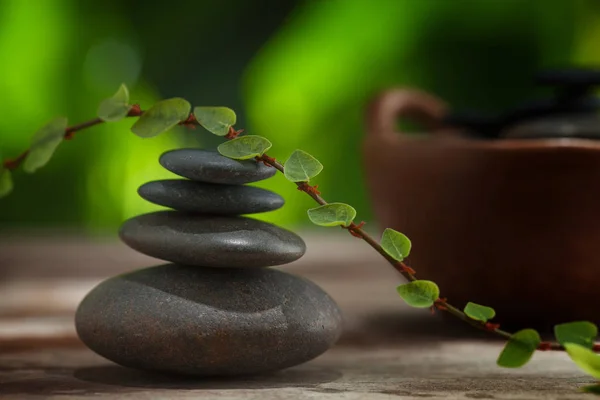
(387, 351)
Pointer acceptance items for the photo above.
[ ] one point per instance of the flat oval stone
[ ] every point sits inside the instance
(208, 321)
(211, 241)
(211, 167)
(210, 198)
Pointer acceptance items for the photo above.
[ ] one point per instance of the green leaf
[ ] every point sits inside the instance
(44, 144)
(161, 117)
(419, 294)
(594, 389)
(116, 107)
(244, 147)
(216, 120)
(581, 332)
(301, 166)
(6, 184)
(584, 358)
(395, 244)
(332, 214)
(479, 312)
(519, 349)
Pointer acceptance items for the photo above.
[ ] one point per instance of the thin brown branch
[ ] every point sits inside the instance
(14, 163)
(70, 131)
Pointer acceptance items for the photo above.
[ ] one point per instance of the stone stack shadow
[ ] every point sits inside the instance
(216, 309)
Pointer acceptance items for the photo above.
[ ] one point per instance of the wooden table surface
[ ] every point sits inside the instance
(388, 350)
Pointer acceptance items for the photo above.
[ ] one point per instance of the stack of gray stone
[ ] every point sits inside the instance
(215, 309)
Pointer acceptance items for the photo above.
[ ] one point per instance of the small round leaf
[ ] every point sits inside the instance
(584, 358)
(301, 167)
(161, 117)
(419, 294)
(44, 144)
(519, 349)
(479, 312)
(395, 244)
(594, 389)
(244, 147)
(6, 184)
(216, 120)
(581, 332)
(115, 108)
(332, 214)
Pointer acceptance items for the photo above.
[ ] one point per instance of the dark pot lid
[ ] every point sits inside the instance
(571, 112)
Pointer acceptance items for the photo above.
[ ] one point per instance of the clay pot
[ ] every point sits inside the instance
(511, 223)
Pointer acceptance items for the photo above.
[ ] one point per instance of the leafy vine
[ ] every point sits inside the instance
(576, 338)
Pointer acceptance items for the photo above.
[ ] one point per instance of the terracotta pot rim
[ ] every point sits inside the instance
(546, 144)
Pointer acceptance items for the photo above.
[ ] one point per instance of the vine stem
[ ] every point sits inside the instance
(14, 163)
(407, 272)
(399, 266)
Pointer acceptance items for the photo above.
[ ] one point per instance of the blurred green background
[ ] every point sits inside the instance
(297, 72)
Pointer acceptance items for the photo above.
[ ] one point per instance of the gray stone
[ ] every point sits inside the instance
(211, 241)
(210, 198)
(208, 321)
(211, 167)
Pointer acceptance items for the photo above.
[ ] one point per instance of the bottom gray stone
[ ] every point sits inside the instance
(208, 321)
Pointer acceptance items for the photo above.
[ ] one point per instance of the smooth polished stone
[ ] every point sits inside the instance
(211, 167)
(211, 241)
(208, 321)
(210, 198)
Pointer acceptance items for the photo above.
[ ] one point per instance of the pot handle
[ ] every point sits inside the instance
(421, 107)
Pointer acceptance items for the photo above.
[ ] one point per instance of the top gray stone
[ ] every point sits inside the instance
(211, 167)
